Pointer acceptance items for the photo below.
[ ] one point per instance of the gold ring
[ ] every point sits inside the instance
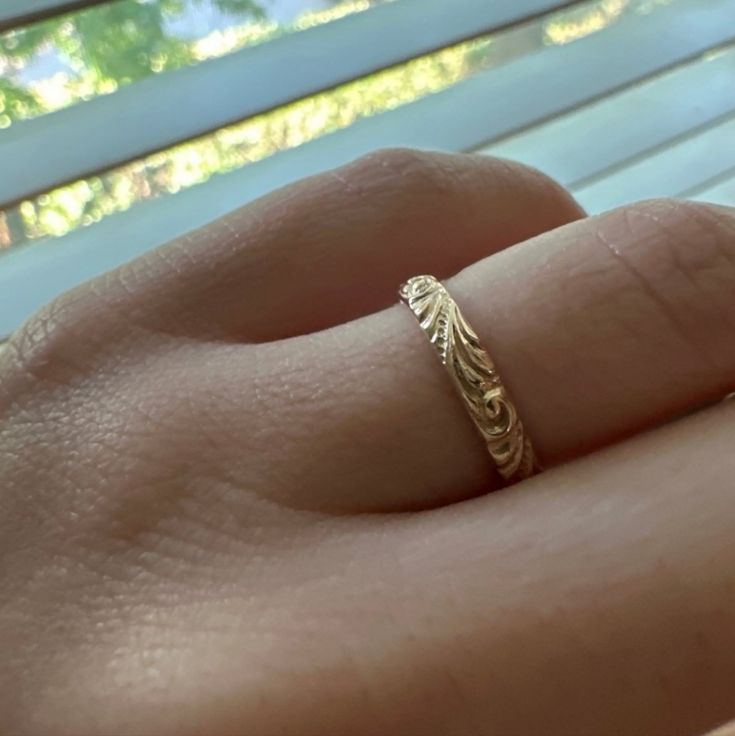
(474, 376)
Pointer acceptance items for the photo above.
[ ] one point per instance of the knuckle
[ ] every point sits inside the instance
(714, 221)
(532, 191)
(696, 235)
(46, 346)
(539, 186)
(681, 258)
(673, 211)
(402, 168)
(456, 184)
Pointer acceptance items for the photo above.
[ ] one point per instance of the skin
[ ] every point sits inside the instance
(239, 496)
(727, 730)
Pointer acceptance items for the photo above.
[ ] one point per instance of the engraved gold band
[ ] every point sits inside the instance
(474, 376)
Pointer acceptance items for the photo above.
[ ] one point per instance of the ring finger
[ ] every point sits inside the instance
(599, 329)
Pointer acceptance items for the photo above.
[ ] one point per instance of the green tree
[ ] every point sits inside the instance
(108, 45)
(128, 40)
(105, 46)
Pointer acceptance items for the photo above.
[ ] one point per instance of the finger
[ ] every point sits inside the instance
(727, 730)
(597, 599)
(606, 592)
(603, 594)
(332, 248)
(599, 330)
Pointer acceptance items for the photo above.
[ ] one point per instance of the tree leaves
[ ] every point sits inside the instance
(105, 46)
(16, 102)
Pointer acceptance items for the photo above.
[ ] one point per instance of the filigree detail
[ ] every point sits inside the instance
(474, 376)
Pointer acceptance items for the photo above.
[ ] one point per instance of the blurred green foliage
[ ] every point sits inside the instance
(128, 40)
(104, 46)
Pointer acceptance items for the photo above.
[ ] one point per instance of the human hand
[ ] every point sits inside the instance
(239, 495)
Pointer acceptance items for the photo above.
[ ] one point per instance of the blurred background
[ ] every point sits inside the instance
(69, 59)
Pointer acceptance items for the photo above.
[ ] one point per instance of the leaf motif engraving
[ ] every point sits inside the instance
(473, 374)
